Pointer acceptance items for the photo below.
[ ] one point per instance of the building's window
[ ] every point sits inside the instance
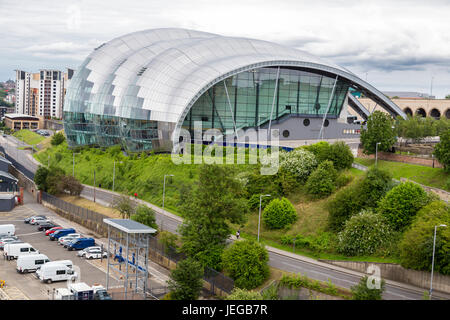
(306, 122)
(286, 133)
(326, 123)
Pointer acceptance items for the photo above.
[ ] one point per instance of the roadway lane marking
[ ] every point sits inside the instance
(29, 234)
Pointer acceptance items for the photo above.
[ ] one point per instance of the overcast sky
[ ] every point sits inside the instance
(397, 45)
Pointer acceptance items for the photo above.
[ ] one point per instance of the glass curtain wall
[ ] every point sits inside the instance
(248, 98)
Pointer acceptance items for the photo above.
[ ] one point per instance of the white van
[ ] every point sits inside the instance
(7, 229)
(31, 262)
(67, 263)
(63, 294)
(13, 250)
(50, 272)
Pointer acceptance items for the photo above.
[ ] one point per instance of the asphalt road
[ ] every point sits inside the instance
(276, 260)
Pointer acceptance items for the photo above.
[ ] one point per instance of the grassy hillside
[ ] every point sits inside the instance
(29, 137)
(433, 177)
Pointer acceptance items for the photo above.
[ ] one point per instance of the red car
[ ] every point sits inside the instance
(50, 231)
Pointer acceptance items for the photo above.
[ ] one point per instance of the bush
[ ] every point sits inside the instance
(247, 263)
(169, 240)
(186, 280)
(300, 163)
(57, 139)
(320, 149)
(253, 202)
(416, 247)
(279, 213)
(442, 149)
(362, 292)
(346, 203)
(71, 184)
(374, 186)
(322, 182)
(364, 234)
(343, 179)
(341, 155)
(40, 178)
(380, 129)
(401, 204)
(242, 294)
(145, 215)
(321, 243)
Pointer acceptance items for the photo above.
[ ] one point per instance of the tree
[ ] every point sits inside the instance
(217, 201)
(279, 213)
(71, 184)
(364, 234)
(55, 181)
(416, 247)
(125, 206)
(341, 155)
(242, 294)
(380, 128)
(57, 139)
(346, 203)
(361, 291)
(247, 263)
(321, 150)
(145, 215)
(401, 204)
(447, 96)
(40, 178)
(322, 181)
(442, 150)
(185, 281)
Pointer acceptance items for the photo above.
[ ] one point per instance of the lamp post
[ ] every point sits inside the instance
(432, 261)
(259, 216)
(376, 153)
(164, 193)
(73, 163)
(114, 173)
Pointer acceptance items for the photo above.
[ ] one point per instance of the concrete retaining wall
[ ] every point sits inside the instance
(395, 272)
(24, 181)
(388, 156)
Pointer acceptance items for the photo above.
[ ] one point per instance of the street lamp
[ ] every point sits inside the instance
(73, 163)
(432, 261)
(114, 173)
(259, 216)
(164, 188)
(376, 153)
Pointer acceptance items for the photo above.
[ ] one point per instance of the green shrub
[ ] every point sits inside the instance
(242, 294)
(341, 155)
(416, 247)
(321, 182)
(442, 149)
(57, 139)
(300, 163)
(343, 179)
(364, 234)
(376, 183)
(247, 263)
(346, 203)
(253, 202)
(401, 204)
(186, 280)
(279, 213)
(320, 149)
(40, 178)
(361, 291)
(145, 215)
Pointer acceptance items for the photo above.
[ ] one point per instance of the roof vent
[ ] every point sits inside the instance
(142, 71)
(100, 46)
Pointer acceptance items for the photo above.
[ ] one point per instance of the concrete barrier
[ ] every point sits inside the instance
(395, 272)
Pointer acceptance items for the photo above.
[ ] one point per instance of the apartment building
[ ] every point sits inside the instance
(41, 94)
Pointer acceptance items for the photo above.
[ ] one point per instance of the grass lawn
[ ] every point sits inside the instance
(28, 136)
(433, 177)
(91, 205)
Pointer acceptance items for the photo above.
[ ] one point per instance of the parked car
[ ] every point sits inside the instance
(93, 253)
(46, 226)
(7, 237)
(51, 230)
(27, 220)
(36, 220)
(100, 293)
(4, 241)
(31, 262)
(81, 243)
(13, 250)
(66, 239)
(55, 272)
(61, 233)
(7, 229)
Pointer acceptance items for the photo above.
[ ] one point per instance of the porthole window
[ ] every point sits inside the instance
(306, 122)
(286, 133)
(326, 123)
(180, 139)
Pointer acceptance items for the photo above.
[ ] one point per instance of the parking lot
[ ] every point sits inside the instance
(23, 286)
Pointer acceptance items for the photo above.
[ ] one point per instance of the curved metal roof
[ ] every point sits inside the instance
(158, 74)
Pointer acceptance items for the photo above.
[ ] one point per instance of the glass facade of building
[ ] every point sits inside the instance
(247, 98)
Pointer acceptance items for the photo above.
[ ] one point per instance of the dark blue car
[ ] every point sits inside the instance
(81, 243)
(61, 233)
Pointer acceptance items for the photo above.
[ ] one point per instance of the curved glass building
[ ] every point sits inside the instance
(140, 89)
